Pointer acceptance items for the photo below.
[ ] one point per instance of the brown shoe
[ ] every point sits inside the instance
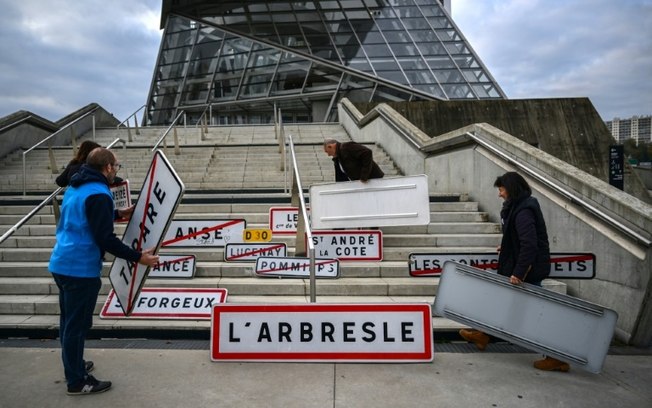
(551, 364)
(476, 337)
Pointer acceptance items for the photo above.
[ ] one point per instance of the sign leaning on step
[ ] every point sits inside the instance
(562, 265)
(396, 332)
(157, 202)
(174, 266)
(296, 267)
(203, 233)
(167, 303)
(349, 245)
(251, 252)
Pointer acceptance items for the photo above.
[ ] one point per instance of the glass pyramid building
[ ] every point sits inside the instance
(234, 60)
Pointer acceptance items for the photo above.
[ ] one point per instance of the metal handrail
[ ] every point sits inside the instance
(174, 122)
(43, 203)
(135, 123)
(570, 196)
(129, 117)
(304, 214)
(48, 138)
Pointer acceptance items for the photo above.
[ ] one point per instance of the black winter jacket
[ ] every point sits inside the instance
(525, 251)
(357, 162)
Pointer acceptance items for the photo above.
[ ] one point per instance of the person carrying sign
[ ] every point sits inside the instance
(352, 161)
(84, 233)
(524, 252)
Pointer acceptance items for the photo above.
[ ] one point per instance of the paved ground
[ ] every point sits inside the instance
(180, 374)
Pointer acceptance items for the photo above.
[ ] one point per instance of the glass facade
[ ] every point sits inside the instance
(233, 60)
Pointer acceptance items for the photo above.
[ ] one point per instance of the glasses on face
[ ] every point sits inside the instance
(116, 166)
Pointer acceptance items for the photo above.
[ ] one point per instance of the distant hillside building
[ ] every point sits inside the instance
(638, 128)
(233, 60)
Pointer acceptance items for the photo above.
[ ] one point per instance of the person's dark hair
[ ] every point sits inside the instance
(99, 157)
(514, 184)
(82, 153)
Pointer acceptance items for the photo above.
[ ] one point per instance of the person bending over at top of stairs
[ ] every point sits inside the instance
(524, 252)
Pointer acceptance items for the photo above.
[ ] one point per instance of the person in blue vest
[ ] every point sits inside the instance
(524, 251)
(84, 233)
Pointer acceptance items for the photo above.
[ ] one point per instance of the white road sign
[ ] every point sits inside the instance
(376, 203)
(203, 233)
(353, 245)
(251, 252)
(157, 202)
(174, 266)
(284, 220)
(296, 267)
(563, 265)
(168, 303)
(397, 332)
(121, 197)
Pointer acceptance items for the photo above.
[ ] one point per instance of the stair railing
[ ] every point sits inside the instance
(53, 164)
(126, 123)
(303, 226)
(173, 126)
(51, 197)
(279, 131)
(202, 123)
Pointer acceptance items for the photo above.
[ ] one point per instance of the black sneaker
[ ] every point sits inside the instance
(89, 366)
(90, 385)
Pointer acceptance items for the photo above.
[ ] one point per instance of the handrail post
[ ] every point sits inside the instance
(93, 116)
(136, 124)
(24, 175)
(129, 130)
(177, 150)
(53, 164)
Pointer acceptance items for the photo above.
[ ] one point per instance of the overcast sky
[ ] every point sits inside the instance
(57, 56)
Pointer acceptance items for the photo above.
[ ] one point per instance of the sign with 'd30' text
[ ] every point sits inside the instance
(396, 332)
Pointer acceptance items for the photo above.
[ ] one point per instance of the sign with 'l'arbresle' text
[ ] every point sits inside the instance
(157, 202)
(396, 332)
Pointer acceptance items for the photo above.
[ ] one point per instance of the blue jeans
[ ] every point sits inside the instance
(77, 299)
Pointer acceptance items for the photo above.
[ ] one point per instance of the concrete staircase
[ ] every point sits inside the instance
(229, 173)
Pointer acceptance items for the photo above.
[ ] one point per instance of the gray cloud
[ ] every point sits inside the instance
(599, 49)
(58, 56)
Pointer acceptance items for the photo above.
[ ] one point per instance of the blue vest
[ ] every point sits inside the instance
(76, 253)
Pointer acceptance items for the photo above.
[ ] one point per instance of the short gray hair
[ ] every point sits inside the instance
(330, 142)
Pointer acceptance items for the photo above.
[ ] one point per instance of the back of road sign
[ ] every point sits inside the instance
(554, 324)
(376, 203)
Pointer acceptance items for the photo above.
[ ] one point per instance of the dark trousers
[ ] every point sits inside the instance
(77, 299)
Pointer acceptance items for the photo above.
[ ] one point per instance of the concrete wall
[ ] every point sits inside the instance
(24, 129)
(468, 160)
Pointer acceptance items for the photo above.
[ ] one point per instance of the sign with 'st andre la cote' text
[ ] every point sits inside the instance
(351, 245)
(396, 332)
(168, 303)
(157, 202)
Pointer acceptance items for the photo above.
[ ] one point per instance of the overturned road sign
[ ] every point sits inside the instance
(557, 325)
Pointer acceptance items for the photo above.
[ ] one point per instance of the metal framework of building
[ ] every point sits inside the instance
(232, 61)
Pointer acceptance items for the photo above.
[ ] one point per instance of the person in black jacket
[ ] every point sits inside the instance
(85, 148)
(352, 161)
(524, 251)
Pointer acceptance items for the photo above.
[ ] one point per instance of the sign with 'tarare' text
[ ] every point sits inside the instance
(157, 202)
(168, 303)
(396, 332)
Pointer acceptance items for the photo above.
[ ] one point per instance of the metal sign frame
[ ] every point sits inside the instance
(554, 324)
